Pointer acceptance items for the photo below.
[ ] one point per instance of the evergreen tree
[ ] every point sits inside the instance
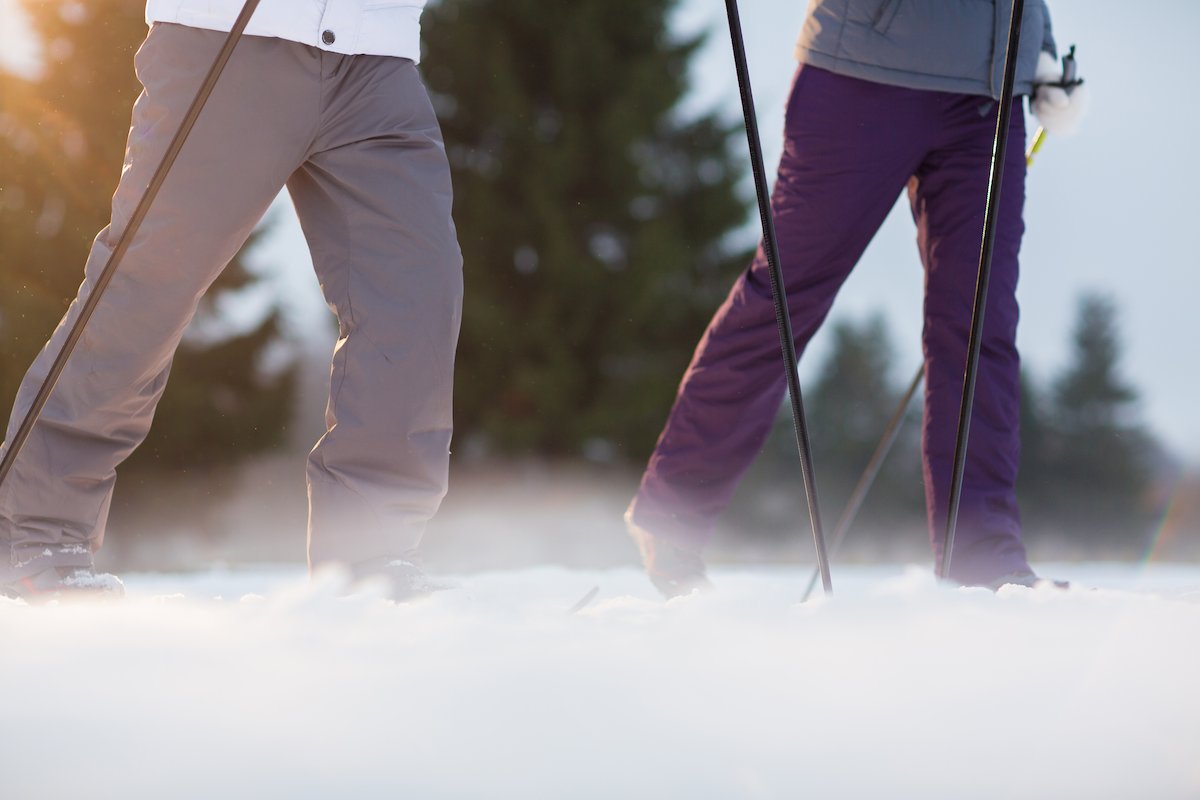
(593, 217)
(848, 406)
(62, 139)
(1036, 477)
(1102, 456)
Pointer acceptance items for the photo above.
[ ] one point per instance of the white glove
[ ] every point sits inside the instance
(1059, 110)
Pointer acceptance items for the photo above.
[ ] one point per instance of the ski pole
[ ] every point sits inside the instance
(1039, 139)
(126, 238)
(778, 291)
(1070, 79)
(890, 433)
(975, 342)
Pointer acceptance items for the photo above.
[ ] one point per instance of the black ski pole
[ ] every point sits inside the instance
(857, 497)
(778, 291)
(123, 242)
(999, 149)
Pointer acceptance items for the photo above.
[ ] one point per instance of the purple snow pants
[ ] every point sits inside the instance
(851, 146)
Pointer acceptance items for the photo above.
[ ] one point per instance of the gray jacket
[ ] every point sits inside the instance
(941, 45)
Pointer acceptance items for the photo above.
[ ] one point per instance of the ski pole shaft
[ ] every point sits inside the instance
(975, 342)
(778, 290)
(126, 238)
(1039, 139)
(870, 473)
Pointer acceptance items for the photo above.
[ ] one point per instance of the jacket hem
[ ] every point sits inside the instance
(903, 78)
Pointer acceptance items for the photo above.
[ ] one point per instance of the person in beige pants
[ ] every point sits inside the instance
(355, 140)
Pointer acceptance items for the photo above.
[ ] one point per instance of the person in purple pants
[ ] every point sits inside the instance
(889, 96)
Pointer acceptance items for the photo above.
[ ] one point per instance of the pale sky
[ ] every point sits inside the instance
(1111, 209)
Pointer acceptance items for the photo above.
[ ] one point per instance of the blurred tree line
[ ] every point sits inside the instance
(1088, 465)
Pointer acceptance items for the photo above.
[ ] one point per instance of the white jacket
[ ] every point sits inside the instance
(352, 27)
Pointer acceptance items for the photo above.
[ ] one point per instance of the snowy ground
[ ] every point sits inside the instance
(259, 684)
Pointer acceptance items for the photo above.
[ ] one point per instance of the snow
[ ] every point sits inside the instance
(896, 688)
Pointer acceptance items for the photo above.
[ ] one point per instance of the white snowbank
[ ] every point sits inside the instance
(897, 688)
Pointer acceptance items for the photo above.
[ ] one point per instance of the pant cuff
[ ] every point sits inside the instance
(30, 559)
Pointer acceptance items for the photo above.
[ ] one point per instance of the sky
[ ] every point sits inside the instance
(1109, 210)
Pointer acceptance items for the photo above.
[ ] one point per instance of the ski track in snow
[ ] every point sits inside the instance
(895, 688)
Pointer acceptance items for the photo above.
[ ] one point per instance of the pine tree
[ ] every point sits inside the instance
(848, 405)
(1102, 456)
(62, 139)
(593, 217)
(1036, 477)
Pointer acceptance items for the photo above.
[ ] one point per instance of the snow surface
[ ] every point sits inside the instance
(895, 688)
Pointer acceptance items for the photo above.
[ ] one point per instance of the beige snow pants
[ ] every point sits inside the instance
(355, 140)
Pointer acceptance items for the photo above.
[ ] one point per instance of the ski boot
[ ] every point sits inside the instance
(676, 571)
(1029, 580)
(64, 583)
(405, 577)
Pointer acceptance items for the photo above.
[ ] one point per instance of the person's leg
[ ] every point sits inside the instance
(948, 194)
(374, 199)
(849, 148)
(249, 138)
